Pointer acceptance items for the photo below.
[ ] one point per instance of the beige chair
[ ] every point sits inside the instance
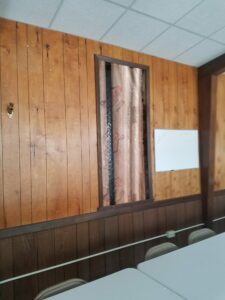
(59, 288)
(160, 250)
(199, 235)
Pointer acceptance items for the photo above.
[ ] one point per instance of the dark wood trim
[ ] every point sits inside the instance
(121, 62)
(207, 91)
(149, 149)
(212, 146)
(99, 156)
(102, 213)
(219, 193)
(147, 76)
(214, 67)
(206, 144)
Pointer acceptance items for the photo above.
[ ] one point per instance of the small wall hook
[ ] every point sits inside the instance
(10, 110)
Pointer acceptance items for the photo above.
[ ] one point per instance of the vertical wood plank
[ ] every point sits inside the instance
(73, 124)
(6, 269)
(37, 125)
(86, 204)
(150, 226)
(139, 250)
(92, 48)
(96, 238)
(83, 250)
(219, 182)
(112, 241)
(71, 252)
(162, 222)
(55, 125)
(10, 132)
(25, 261)
(2, 212)
(24, 123)
(125, 223)
(65, 250)
(181, 238)
(46, 257)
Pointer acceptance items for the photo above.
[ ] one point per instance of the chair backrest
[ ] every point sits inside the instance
(59, 288)
(199, 235)
(160, 250)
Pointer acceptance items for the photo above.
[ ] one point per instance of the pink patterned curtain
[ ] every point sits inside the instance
(127, 124)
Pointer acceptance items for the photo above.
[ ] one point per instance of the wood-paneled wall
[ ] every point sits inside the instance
(48, 153)
(219, 183)
(35, 250)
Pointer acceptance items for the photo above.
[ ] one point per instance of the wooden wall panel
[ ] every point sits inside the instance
(72, 99)
(48, 156)
(138, 228)
(174, 106)
(45, 257)
(10, 128)
(37, 125)
(23, 246)
(2, 216)
(6, 270)
(219, 183)
(111, 241)
(24, 130)
(92, 47)
(35, 250)
(55, 117)
(83, 250)
(97, 244)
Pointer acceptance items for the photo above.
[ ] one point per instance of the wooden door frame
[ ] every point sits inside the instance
(207, 94)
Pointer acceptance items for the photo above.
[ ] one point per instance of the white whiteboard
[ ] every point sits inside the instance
(176, 149)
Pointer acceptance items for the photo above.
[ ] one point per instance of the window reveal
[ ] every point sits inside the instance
(123, 133)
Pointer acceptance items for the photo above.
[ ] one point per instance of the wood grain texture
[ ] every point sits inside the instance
(219, 181)
(24, 120)
(56, 141)
(23, 246)
(111, 241)
(96, 236)
(2, 212)
(36, 250)
(207, 123)
(37, 126)
(10, 128)
(73, 126)
(48, 153)
(6, 270)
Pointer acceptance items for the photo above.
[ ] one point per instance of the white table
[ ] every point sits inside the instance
(128, 284)
(196, 272)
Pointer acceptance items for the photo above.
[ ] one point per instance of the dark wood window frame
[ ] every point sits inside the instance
(148, 150)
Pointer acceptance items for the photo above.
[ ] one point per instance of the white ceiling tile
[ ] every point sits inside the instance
(167, 10)
(219, 36)
(29, 11)
(205, 19)
(134, 31)
(123, 2)
(89, 18)
(172, 43)
(201, 53)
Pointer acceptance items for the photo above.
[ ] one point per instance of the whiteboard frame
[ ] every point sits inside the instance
(175, 155)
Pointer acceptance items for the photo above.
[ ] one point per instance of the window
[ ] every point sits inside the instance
(122, 131)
